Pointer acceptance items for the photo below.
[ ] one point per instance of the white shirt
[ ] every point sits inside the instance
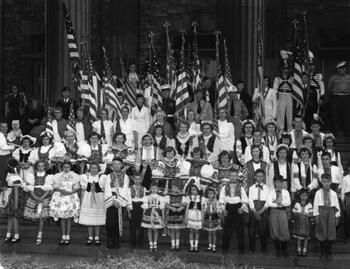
(34, 155)
(285, 199)
(224, 199)
(4, 147)
(346, 186)
(292, 133)
(254, 192)
(79, 127)
(194, 129)
(319, 201)
(128, 127)
(296, 181)
(248, 154)
(256, 166)
(226, 134)
(336, 174)
(142, 119)
(108, 127)
(270, 102)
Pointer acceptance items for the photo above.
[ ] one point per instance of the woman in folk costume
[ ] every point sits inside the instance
(183, 140)
(194, 129)
(142, 117)
(286, 139)
(329, 145)
(208, 142)
(22, 155)
(117, 197)
(119, 148)
(304, 174)
(279, 202)
(271, 138)
(161, 141)
(153, 219)
(104, 127)
(245, 140)
(65, 202)
(92, 209)
(175, 208)
(281, 167)
(211, 216)
(315, 157)
(145, 159)
(98, 152)
(37, 206)
(12, 207)
(226, 131)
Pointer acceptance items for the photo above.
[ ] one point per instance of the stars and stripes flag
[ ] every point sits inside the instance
(299, 55)
(129, 90)
(110, 87)
(182, 97)
(227, 77)
(196, 69)
(71, 119)
(170, 63)
(259, 105)
(89, 88)
(220, 85)
(48, 127)
(71, 38)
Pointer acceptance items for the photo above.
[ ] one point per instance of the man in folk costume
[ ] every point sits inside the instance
(283, 85)
(245, 140)
(59, 125)
(297, 133)
(202, 109)
(236, 110)
(168, 105)
(334, 171)
(257, 140)
(83, 126)
(281, 167)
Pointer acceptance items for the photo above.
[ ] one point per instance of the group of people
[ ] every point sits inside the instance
(166, 174)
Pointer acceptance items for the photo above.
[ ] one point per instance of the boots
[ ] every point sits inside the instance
(110, 241)
(278, 248)
(328, 250)
(284, 249)
(322, 250)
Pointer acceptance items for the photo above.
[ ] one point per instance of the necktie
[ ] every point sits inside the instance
(259, 191)
(199, 108)
(232, 112)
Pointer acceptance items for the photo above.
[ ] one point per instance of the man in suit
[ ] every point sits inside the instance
(209, 89)
(201, 108)
(168, 105)
(66, 102)
(83, 126)
(245, 97)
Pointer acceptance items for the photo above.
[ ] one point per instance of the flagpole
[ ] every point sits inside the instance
(183, 63)
(195, 49)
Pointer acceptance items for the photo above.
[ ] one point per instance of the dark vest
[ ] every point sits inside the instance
(277, 172)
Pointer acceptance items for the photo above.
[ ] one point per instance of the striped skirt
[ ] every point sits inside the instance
(34, 211)
(152, 218)
(194, 219)
(92, 210)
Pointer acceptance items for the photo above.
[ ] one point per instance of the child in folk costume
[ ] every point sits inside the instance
(233, 200)
(13, 205)
(345, 196)
(183, 140)
(334, 171)
(92, 210)
(302, 212)
(327, 214)
(22, 155)
(37, 206)
(175, 212)
(258, 215)
(279, 201)
(193, 215)
(65, 202)
(117, 196)
(271, 138)
(152, 220)
(211, 216)
(135, 212)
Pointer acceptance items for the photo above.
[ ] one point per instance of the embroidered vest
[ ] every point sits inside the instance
(137, 193)
(210, 144)
(23, 157)
(276, 169)
(96, 155)
(44, 156)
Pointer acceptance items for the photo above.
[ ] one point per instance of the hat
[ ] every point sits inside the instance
(316, 120)
(139, 95)
(270, 121)
(232, 89)
(281, 146)
(312, 59)
(30, 138)
(165, 87)
(248, 121)
(341, 64)
(285, 56)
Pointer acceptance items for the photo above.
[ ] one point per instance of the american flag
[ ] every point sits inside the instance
(299, 55)
(196, 64)
(48, 128)
(110, 92)
(130, 94)
(228, 78)
(154, 70)
(72, 42)
(220, 85)
(71, 119)
(259, 105)
(89, 84)
(182, 97)
(170, 63)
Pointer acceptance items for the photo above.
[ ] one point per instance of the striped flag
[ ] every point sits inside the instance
(49, 128)
(299, 55)
(154, 70)
(221, 86)
(72, 42)
(71, 119)
(130, 94)
(89, 85)
(170, 63)
(197, 81)
(228, 79)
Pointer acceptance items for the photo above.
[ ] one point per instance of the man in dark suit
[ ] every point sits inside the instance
(209, 89)
(66, 102)
(201, 108)
(168, 105)
(245, 97)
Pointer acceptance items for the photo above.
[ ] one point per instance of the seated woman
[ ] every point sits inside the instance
(161, 141)
(226, 131)
(208, 142)
(183, 140)
(22, 155)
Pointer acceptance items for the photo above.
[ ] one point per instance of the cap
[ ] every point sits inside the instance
(341, 64)
(165, 87)
(232, 89)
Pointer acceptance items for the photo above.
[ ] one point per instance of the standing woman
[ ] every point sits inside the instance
(281, 167)
(92, 211)
(161, 141)
(226, 131)
(329, 145)
(271, 138)
(142, 116)
(65, 202)
(128, 127)
(37, 206)
(104, 127)
(194, 128)
(183, 140)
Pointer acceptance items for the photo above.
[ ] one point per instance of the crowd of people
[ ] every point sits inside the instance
(165, 174)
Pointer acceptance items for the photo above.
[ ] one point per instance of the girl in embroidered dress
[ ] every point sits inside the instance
(98, 152)
(302, 212)
(211, 217)
(65, 202)
(73, 152)
(153, 219)
(22, 155)
(37, 206)
(329, 145)
(92, 210)
(175, 212)
(183, 140)
(271, 138)
(193, 215)
(222, 168)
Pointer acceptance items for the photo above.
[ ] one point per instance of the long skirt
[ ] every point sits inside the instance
(326, 229)
(279, 224)
(152, 218)
(34, 210)
(65, 206)
(92, 210)
(194, 219)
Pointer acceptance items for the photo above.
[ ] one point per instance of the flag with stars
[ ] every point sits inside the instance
(71, 119)
(154, 69)
(71, 38)
(196, 65)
